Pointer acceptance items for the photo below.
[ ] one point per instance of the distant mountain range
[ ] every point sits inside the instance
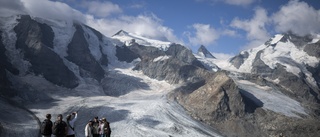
(269, 90)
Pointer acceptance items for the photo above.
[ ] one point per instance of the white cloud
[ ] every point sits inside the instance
(11, 7)
(298, 17)
(51, 10)
(222, 56)
(138, 5)
(230, 2)
(145, 25)
(255, 28)
(204, 35)
(228, 32)
(239, 2)
(102, 9)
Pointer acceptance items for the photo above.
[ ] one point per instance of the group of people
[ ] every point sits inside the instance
(98, 128)
(60, 128)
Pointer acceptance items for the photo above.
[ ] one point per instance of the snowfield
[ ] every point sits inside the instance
(143, 111)
(126, 38)
(271, 98)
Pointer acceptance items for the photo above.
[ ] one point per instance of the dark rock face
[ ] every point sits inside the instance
(273, 124)
(183, 54)
(5, 84)
(146, 52)
(79, 53)
(205, 52)
(125, 54)
(218, 102)
(313, 49)
(97, 33)
(298, 88)
(238, 60)
(315, 74)
(179, 66)
(35, 41)
(258, 66)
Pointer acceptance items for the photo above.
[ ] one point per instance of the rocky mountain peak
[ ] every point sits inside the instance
(296, 39)
(203, 51)
(121, 33)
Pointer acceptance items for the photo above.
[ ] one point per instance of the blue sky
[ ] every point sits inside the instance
(223, 26)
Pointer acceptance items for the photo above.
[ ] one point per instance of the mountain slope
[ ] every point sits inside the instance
(202, 51)
(50, 65)
(207, 59)
(56, 67)
(275, 82)
(288, 61)
(35, 40)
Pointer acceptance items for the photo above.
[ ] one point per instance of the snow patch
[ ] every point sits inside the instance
(127, 38)
(246, 67)
(273, 99)
(161, 58)
(63, 33)
(314, 41)
(276, 39)
(288, 55)
(93, 41)
(209, 63)
(109, 48)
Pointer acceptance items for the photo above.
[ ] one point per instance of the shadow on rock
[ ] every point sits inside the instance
(250, 101)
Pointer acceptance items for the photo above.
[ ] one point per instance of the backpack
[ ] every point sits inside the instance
(59, 128)
(46, 127)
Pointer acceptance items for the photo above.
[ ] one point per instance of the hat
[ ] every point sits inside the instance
(104, 119)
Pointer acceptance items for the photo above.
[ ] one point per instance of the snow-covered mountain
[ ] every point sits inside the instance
(50, 66)
(129, 38)
(203, 55)
(291, 61)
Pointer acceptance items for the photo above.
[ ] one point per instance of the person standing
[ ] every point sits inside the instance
(95, 125)
(46, 126)
(60, 128)
(107, 128)
(104, 128)
(70, 123)
(88, 129)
